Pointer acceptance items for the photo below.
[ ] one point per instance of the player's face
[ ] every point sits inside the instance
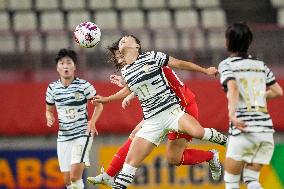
(127, 42)
(66, 68)
(119, 57)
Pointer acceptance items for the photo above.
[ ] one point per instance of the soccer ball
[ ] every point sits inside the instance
(87, 34)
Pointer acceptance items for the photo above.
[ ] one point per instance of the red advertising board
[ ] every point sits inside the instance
(22, 109)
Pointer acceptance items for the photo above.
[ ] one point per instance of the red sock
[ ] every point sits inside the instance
(193, 157)
(117, 161)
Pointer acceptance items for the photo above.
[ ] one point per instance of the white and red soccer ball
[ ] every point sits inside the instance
(87, 34)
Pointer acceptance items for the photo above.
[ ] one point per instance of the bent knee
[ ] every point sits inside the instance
(132, 135)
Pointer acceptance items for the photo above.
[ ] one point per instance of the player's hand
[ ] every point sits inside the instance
(50, 120)
(92, 129)
(126, 101)
(117, 80)
(100, 99)
(212, 71)
(239, 124)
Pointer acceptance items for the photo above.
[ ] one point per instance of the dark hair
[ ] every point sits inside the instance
(66, 52)
(115, 47)
(239, 38)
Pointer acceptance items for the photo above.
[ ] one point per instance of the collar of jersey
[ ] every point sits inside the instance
(75, 78)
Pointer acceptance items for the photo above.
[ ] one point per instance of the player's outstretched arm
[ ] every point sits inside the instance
(96, 114)
(124, 92)
(49, 115)
(185, 65)
(274, 91)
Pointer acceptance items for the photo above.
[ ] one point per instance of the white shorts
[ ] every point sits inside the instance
(74, 151)
(157, 127)
(251, 147)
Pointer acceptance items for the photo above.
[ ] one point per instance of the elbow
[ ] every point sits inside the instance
(277, 90)
(177, 65)
(99, 106)
(280, 93)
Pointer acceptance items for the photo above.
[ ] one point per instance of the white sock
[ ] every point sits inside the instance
(78, 184)
(232, 181)
(207, 134)
(128, 168)
(125, 177)
(212, 135)
(251, 178)
(254, 185)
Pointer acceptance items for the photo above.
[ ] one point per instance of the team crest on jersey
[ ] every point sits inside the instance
(146, 68)
(77, 95)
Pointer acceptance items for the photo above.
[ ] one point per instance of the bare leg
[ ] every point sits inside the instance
(175, 149)
(139, 149)
(119, 158)
(116, 164)
(192, 127)
(77, 170)
(76, 175)
(251, 174)
(66, 177)
(233, 171)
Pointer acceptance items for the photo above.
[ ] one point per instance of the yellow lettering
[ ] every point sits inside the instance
(6, 176)
(29, 173)
(54, 176)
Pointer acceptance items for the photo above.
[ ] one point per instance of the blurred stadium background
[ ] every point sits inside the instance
(32, 31)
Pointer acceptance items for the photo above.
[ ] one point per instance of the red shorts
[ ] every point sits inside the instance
(192, 110)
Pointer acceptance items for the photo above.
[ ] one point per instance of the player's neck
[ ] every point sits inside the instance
(239, 54)
(67, 81)
(130, 55)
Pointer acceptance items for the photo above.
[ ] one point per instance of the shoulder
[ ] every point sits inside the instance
(260, 62)
(52, 85)
(227, 61)
(82, 82)
(147, 54)
(151, 53)
(160, 57)
(225, 64)
(256, 64)
(159, 53)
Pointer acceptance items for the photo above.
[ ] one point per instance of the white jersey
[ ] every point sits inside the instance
(71, 106)
(146, 78)
(252, 77)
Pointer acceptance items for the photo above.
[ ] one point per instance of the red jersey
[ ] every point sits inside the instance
(187, 100)
(181, 90)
